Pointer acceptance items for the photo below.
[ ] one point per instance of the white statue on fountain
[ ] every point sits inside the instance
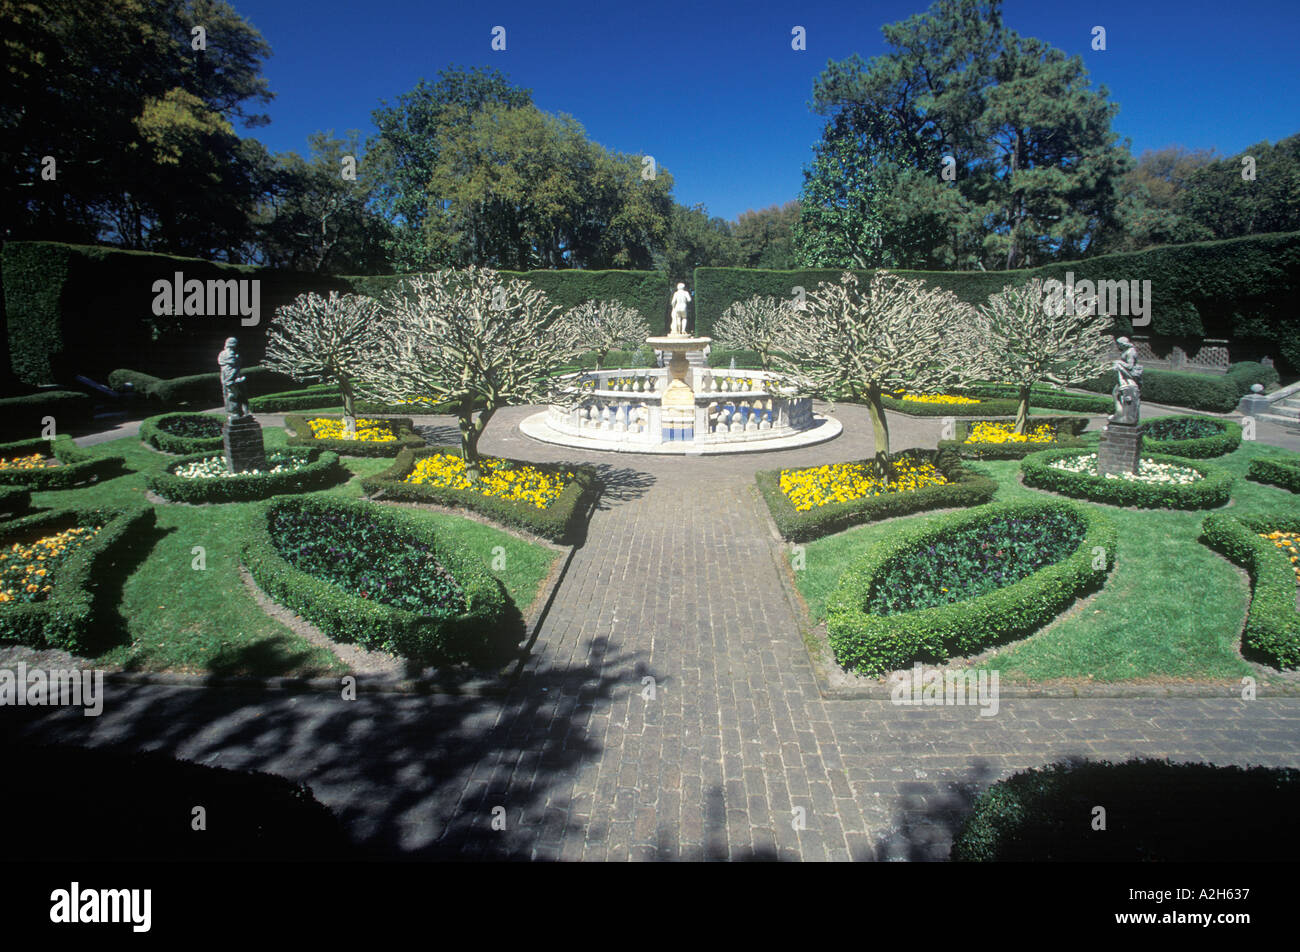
(681, 298)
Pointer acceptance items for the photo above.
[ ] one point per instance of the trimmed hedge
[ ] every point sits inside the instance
(406, 437)
(1206, 493)
(1272, 622)
(965, 488)
(1067, 428)
(323, 470)
(1236, 289)
(77, 467)
(1163, 812)
(1218, 393)
(66, 619)
(1282, 471)
(24, 417)
(874, 644)
(480, 635)
(153, 431)
(745, 359)
(561, 521)
(14, 501)
(1046, 398)
(202, 389)
(1205, 447)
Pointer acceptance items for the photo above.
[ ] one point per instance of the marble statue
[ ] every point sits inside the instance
(681, 298)
(233, 391)
(1128, 388)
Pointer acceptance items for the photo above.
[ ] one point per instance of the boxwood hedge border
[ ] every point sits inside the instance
(66, 619)
(152, 433)
(1280, 471)
(78, 466)
(1272, 623)
(987, 406)
(965, 488)
(1042, 397)
(323, 470)
(1072, 427)
(481, 635)
(15, 501)
(1207, 493)
(875, 644)
(300, 425)
(563, 521)
(1205, 447)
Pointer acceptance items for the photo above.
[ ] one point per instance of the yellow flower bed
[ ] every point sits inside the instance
(935, 398)
(1006, 433)
(842, 482)
(1287, 542)
(35, 461)
(497, 478)
(368, 431)
(24, 569)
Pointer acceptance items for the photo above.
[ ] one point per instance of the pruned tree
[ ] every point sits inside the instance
(474, 340)
(852, 344)
(755, 324)
(333, 339)
(603, 326)
(1027, 335)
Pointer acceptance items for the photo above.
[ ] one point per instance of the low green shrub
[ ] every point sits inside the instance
(964, 488)
(1067, 429)
(67, 618)
(14, 501)
(1218, 393)
(123, 380)
(401, 426)
(563, 520)
(1272, 624)
(203, 389)
(1043, 397)
(183, 432)
(76, 466)
(987, 406)
(745, 359)
(1206, 493)
(321, 471)
(378, 577)
(873, 643)
(1283, 471)
(1193, 437)
(1167, 813)
(24, 417)
(620, 359)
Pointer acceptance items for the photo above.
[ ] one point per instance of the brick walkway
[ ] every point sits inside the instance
(678, 582)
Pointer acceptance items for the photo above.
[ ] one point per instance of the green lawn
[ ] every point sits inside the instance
(1172, 608)
(177, 618)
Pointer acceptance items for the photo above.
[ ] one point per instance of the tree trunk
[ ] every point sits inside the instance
(470, 431)
(349, 408)
(1022, 411)
(879, 432)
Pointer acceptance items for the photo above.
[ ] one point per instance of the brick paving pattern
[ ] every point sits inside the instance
(669, 710)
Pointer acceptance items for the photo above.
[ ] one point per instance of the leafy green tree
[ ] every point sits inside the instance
(695, 240)
(765, 239)
(1230, 204)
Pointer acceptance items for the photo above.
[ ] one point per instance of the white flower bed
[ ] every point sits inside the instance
(214, 467)
(1149, 471)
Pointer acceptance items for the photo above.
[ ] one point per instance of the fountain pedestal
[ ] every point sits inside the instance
(678, 415)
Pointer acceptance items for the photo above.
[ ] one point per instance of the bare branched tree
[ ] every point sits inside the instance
(603, 326)
(475, 340)
(756, 324)
(331, 339)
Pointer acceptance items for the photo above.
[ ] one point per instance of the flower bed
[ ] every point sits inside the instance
(54, 464)
(996, 439)
(1174, 483)
(1272, 628)
(1009, 570)
(1281, 471)
(1194, 437)
(64, 614)
(375, 437)
(952, 405)
(514, 489)
(851, 505)
(183, 433)
(1172, 813)
(305, 470)
(380, 578)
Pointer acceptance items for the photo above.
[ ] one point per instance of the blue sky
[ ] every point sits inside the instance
(715, 93)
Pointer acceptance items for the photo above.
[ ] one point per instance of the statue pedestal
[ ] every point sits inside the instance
(242, 439)
(1120, 448)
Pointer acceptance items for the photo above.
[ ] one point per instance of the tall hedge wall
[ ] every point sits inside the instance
(1237, 289)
